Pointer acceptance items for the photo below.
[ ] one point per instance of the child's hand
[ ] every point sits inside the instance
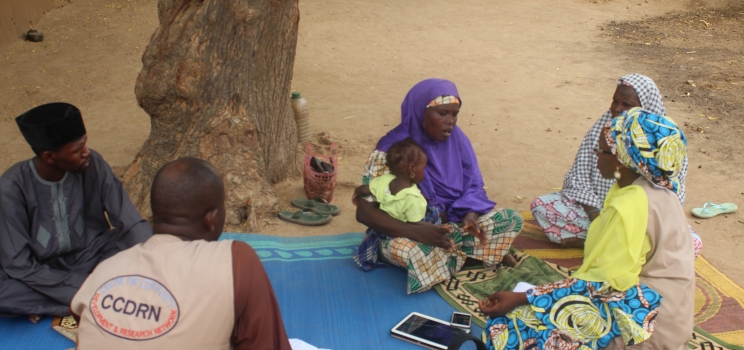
(360, 191)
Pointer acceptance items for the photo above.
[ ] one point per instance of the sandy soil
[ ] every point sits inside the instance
(533, 76)
(17, 17)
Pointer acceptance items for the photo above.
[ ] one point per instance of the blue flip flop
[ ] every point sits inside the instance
(711, 209)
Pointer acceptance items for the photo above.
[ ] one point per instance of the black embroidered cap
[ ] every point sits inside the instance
(51, 126)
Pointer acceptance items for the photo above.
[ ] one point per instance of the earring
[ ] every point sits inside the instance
(413, 176)
(617, 174)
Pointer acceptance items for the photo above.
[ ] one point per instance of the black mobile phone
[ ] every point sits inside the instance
(460, 320)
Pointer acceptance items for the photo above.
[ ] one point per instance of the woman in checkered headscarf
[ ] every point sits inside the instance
(565, 215)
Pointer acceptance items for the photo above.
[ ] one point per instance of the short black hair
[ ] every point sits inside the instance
(187, 188)
(401, 154)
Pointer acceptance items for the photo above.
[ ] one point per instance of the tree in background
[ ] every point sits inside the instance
(216, 82)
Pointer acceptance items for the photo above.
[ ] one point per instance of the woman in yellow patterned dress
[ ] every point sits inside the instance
(637, 282)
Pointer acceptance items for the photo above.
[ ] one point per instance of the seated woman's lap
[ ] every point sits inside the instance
(427, 265)
(562, 218)
(582, 302)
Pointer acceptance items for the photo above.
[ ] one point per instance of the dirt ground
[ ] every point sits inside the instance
(533, 76)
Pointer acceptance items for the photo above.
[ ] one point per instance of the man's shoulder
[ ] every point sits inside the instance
(98, 169)
(199, 247)
(169, 244)
(239, 246)
(242, 251)
(97, 162)
(13, 175)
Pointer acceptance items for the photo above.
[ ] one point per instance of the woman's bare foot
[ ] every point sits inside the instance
(508, 260)
(34, 318)
(573, 243)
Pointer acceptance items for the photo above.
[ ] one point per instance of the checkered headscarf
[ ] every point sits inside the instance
(647, 92)
(583, 183)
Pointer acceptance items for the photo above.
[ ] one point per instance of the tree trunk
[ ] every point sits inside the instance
(216, 81)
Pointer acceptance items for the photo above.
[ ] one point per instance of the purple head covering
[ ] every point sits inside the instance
(452, 180)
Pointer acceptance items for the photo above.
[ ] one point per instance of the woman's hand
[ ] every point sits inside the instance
(502, 303)
(470, 224)
(433, 235)
(591, 211)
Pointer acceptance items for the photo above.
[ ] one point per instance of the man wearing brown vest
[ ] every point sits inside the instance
(181, 288)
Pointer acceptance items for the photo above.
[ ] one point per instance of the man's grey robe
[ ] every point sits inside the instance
(53, 234)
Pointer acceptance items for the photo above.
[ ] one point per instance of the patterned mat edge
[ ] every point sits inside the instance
(291, 249)
(724, 284)
(700, 331)
(457, 306)
(700, 339)
(66, 326)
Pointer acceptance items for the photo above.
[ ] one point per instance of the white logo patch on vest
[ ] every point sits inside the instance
(134, 307)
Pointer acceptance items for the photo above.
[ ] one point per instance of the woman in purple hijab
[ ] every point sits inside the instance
(453, 188)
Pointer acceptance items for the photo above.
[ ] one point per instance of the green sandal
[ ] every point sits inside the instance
(318, 205)
(711, 209)
(305, 217)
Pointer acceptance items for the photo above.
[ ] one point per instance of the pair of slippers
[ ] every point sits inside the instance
(711, 209)
(320, 166)
(313, 212)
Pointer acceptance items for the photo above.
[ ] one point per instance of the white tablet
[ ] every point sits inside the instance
(426, 331)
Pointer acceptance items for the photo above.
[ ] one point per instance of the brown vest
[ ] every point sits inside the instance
(669, 270)
(163, 294)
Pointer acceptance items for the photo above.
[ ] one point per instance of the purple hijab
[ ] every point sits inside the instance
(452, 180)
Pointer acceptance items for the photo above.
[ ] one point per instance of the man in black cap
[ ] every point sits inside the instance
(61, 213)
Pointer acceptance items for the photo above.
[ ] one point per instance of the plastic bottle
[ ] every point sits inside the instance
(302, 116)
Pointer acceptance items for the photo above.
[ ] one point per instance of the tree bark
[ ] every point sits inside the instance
(216, 82)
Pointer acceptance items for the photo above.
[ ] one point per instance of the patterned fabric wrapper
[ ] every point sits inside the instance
(444, 100)
(368, 257)
(649, 144)
(576, 314)
(560, 217)
(428, 266)
(376, 166)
